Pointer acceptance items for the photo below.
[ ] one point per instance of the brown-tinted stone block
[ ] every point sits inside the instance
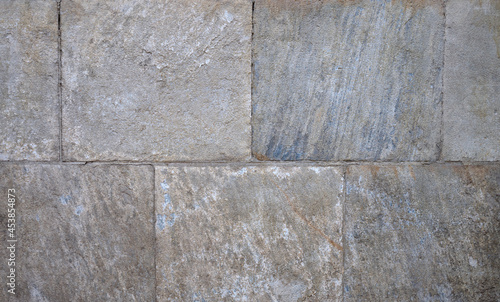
(249, 233)
(422, 233)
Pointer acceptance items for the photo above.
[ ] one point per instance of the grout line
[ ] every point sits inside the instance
(344, 189)
(252, 72)
(252, 164)
(155, 249)
(441, 128)
(59, 75)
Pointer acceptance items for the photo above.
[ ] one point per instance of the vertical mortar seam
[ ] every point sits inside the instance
(155, 250)
(344, 180)
(59, 76)
(252, 67)
(441, 128)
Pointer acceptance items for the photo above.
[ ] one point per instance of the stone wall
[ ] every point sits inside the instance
(239, 150)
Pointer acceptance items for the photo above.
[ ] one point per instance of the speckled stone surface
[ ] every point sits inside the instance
(347, 80)
(28, 81)
(85, 233)
(156, 80)
(422, 233)
(249, 233)
(472, 81)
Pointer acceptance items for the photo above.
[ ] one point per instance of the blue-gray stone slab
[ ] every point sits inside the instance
(347, 80)
(84, 233)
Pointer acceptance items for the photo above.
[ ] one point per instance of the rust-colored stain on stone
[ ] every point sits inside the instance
(474, 175)
(412, 173)
(309, 223)
(261, 157)
(374, 170)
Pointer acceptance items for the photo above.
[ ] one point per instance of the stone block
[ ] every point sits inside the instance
(422, 233)
(156, 81)
(29, 81)
(472, 81)
(84, 233)
(249, 233)
(347, 80)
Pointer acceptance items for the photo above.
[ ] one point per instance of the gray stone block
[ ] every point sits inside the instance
(422, 233)
(85, 233)
(157, 81)
(249, 233)
(472, 81)
(347, 80)
(28, 81)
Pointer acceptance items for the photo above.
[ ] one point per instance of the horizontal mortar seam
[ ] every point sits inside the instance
(257, 163)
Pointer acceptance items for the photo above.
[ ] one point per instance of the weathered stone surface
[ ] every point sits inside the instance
(85, 233)
(157, 80)
(28, 80)
(472, 81)
(422, 233)
(347, 80)
(248, 233)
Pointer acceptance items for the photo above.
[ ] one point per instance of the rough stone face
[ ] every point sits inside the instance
(85, 233)
(347, 80)
(156, 80)
(248, 233)
(28, 80)
(422, 233)
(472, 81)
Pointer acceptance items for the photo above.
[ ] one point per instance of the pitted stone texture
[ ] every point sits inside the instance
(249, 233)
(347, 80)
(85, 233)
(422, 233)
(156, 80)
(28, 80)
(472, 81)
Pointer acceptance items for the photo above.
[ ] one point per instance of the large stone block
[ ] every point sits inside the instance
(28, 80)
(347, 80)
(249, 233)
(472, 81)
(156, 80)
(422, 233)
(85, 233)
